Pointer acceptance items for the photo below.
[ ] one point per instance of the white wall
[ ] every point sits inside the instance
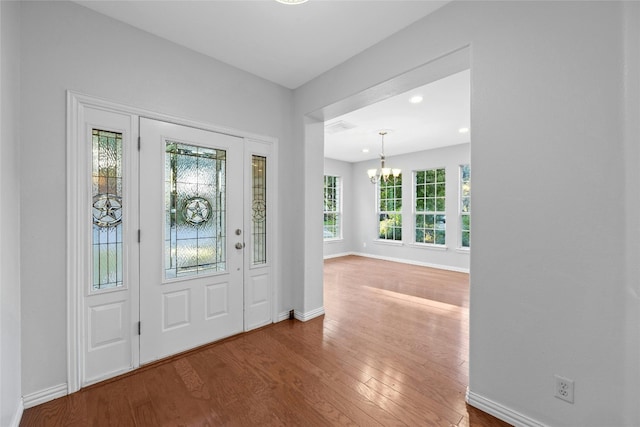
(549, 136)
(632, 197)
(365, 239)
(10, 218)
(552, 289)
(345, 245)
(66, 46)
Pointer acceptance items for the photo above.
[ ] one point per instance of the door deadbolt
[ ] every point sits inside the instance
(238, 232)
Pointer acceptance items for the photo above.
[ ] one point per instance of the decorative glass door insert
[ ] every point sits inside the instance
(259, 210)
(195, 211)
(106, 209)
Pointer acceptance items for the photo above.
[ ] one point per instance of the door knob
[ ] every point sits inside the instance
(239, 245)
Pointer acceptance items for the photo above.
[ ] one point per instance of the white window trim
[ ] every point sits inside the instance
(377, 211)
(333, 240)
(459, 246)
(414, 212)
(338, 212)
(431, 246)
(389, 242)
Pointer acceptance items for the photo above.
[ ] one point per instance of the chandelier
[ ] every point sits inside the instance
(375, 175)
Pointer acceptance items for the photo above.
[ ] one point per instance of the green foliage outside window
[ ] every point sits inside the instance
(465, 205)
(430, 204)
(390, 208)
(331, 229)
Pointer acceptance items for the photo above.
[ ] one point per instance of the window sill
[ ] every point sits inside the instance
(336, 240)
(388, 242)
(463, 250)
(428, 246)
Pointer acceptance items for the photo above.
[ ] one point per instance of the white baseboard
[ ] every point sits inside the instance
(303, 317)
(338, 255)
(282, 316)
(499, 411)
(17, 416)
(407, 261)
(33, 399)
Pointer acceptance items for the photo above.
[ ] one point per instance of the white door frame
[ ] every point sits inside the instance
(78, 265)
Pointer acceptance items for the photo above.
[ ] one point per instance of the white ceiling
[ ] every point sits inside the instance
(434, 122)
(285, 44)
(290, 45)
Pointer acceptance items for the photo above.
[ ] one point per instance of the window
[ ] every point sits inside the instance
(465, 205)
(332, 208)
(430, 215)
(390, 208)
(106, 207)
(259, 210)
(195, 210)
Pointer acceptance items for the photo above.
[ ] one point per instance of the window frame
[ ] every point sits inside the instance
(461, 213)
(338, 208)
(425, 212)
(397, 212)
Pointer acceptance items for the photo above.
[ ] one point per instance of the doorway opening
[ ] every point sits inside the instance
(430, 234)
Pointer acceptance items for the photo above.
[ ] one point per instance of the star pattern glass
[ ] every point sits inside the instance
(106, 207)
(195, 206)
(259, 209)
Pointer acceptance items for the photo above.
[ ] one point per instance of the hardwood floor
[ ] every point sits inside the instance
(391, 350)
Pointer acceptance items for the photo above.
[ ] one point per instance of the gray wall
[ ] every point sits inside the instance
(554, 283)
(365, 227)
(10, 391)
(554, 280)
(66, 46)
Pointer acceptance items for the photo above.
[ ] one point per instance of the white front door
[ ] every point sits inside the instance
(191, 238)
(175, 239)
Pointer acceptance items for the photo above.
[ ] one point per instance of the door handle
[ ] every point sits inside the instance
(239, 245)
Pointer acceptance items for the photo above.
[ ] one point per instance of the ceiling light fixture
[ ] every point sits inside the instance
(463, 130)
(292, 1)
(375, 175)
(416, 99)
(365, 150)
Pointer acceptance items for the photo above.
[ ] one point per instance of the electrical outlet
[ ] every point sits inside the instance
(364, 244)
(564, 389)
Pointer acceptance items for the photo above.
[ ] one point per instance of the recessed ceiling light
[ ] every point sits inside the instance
(291, 1)
(416, 99)
(365, 150)
(463, 130)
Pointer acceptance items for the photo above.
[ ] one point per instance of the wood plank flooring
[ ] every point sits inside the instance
(391, 350)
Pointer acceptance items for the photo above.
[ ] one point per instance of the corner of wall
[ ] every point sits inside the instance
(17, 416)
(311, 314)
(10, 284)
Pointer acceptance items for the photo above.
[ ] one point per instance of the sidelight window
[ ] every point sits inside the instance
(106, 209)
(259, 210)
